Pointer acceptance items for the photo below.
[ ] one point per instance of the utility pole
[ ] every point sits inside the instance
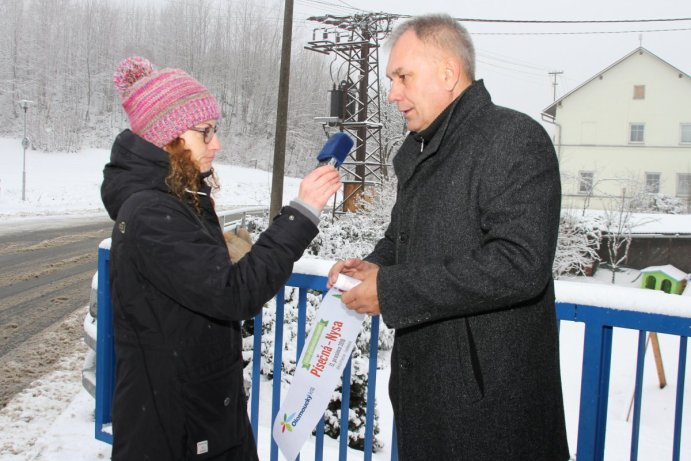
(554, 74)
(355, 39)
(24, 104)
(282, 113)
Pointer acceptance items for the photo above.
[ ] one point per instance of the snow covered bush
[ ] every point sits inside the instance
(353, 235)
(577, 245)
(657, 203)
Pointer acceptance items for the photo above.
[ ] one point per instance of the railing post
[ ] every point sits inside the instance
(679, 410)
(597, 355)
(394, 443)
(105, 353)
(278, 364)
(371, 387)
(302, 327)
(638, 395)
(319, 442)
(345, 411)
(256, 373)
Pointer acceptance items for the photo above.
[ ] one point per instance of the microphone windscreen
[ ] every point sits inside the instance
(335, 150)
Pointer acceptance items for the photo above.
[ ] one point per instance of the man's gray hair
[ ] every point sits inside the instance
(444, 32)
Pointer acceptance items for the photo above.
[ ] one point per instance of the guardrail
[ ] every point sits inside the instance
(646, 311)
(230, 219)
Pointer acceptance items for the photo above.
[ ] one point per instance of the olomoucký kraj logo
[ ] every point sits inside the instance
(290, 421)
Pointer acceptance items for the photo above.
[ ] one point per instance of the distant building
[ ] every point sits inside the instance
(656, 240)
(625, 130)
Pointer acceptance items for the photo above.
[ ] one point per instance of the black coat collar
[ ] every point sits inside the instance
(413, 151)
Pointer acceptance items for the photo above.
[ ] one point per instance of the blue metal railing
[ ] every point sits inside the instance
(597, 353)
(599, 325)
(105, 351)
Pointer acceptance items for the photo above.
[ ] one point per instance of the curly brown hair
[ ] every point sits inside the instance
(184, 177)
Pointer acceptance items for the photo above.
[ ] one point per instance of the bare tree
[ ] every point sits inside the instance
(61, 55)
(617, 226)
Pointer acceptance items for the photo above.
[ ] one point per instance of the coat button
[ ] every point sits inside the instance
(402, 237)
(404, 365)
(226, 402)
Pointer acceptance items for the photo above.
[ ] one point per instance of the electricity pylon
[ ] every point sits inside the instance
(355, 100)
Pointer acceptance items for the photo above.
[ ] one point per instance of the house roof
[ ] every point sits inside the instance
(648, 224)
(668, 270)
(551, 110)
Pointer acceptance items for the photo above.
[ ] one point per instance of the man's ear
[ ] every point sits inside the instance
(452, 73)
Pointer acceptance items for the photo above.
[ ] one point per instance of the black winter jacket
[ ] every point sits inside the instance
(177, 306)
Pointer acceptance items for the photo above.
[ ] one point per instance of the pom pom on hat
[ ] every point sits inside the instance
(162, 104)
(129, 71)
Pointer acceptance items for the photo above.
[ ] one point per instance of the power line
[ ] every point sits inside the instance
(322, 4)
(480, 59)
(583, 33)
(346, 4)
(517, 21)
(589, 21)
(508, 60)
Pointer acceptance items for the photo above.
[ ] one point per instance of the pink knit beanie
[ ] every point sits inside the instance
(162, 104)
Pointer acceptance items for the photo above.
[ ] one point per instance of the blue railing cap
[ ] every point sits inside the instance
(568, 292)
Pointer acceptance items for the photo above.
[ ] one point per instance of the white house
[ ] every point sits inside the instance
(624, 131)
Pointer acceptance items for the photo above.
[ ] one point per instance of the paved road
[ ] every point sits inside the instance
(45, 278)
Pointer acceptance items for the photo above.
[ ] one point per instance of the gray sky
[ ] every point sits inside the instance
(515, 67)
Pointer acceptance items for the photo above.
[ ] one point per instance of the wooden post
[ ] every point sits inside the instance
(658, 359)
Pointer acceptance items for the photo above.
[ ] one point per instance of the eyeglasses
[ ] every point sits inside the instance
(209, 131)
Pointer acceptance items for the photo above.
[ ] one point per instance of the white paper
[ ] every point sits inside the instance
(318, 371)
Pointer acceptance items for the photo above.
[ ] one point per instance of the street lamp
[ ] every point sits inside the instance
(24, 104)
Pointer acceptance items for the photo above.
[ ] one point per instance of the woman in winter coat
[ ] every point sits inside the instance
(177, 298)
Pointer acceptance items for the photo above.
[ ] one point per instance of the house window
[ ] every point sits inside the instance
(686, 133)
(637, 133)
(684, 185)
(639, 92)
(585, 182)
(652, 183)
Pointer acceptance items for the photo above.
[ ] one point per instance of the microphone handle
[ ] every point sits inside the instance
(330, 161)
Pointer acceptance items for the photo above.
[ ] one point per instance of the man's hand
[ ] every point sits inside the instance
(356, 268)
(364, 298)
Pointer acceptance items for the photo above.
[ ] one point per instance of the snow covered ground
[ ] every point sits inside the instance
(53, 418)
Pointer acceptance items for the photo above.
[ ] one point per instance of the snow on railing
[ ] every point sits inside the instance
(622, 298)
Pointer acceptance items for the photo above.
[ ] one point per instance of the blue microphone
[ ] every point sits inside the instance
(335, 150)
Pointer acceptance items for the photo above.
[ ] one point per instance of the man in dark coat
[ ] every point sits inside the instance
(463, 272)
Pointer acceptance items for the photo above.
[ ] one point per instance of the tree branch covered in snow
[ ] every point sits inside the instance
(577, 245)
